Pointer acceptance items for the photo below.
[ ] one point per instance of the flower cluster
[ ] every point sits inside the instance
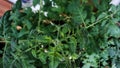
(28, 3)
(115, 2)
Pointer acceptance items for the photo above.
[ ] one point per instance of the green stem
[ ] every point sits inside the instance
(41, 6)
(111, 15)
(82, 20)
(98, 21)
(5, 44)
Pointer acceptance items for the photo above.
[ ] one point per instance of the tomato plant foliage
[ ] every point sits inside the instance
(70, 35)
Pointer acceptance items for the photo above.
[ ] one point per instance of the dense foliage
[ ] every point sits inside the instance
(71, 35)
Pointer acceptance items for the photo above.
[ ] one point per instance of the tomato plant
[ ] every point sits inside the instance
(70, 35)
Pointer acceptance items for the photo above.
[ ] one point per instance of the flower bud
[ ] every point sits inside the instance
(18, 27)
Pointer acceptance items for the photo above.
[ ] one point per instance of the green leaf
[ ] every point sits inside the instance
(15, 15)
(35, 2)
(17, 5)
(53, 62)
(75, 56)
(55, 59)
(102, 15)
(34, 53)
(44, 39)
(104, 23)
(73, 44)
(86, 65)
(93, 19)
(28, 24)
(83, 15)
(113, 31)
(43, 57)
(13, 45)
(112, 52)
(27, 63)
(57, 9)
(22, 33)
(96, 3)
